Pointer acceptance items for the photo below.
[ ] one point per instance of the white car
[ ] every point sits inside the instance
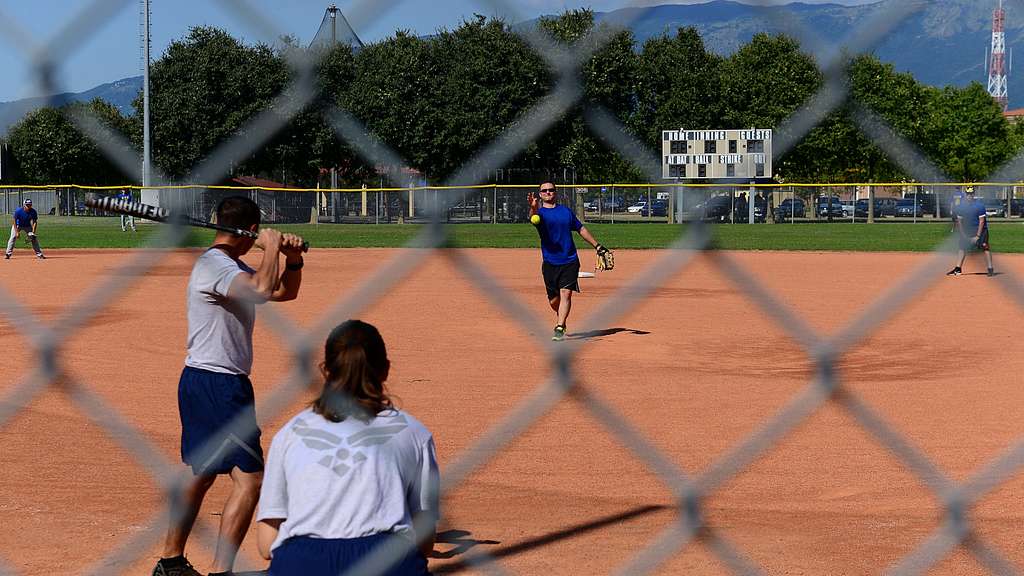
(637, 208)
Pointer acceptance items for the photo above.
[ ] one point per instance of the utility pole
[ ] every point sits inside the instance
(333, 11)
(147, 196)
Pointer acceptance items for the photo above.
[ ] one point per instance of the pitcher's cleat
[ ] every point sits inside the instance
(954, 272)
(991, 272)
(559, 333)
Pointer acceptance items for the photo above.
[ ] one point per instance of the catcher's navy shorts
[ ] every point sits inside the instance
(218, 422)
(558, 277)
(308, 556)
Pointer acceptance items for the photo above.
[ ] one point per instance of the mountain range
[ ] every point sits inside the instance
(944, 43)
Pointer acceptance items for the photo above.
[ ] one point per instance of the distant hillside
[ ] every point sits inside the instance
(945, 43)
(120, 93)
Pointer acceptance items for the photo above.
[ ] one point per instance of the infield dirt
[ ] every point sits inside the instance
(696, 368)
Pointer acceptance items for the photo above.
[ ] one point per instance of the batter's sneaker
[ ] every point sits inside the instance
(7, 256)
(991, 272)
(40, 256)
(954, 272)
(559, 333)
(175, 567)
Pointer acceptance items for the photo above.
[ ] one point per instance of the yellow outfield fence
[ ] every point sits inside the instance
(507, 203)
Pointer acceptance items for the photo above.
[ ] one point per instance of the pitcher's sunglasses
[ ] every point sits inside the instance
(547, 189)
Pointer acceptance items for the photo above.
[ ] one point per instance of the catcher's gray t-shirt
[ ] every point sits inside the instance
(351, 478)
(219, 329)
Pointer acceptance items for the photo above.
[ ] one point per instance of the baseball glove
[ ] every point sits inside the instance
(605, 258)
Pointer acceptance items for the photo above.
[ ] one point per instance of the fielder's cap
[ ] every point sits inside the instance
(28, 200)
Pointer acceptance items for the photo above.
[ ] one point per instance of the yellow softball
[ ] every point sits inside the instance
(535, 219)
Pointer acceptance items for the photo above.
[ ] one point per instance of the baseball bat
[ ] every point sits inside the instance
(157, 214)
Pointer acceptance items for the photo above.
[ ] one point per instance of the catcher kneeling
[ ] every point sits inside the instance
(561, 265)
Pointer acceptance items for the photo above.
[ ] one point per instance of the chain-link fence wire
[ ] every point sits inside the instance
(690, 490)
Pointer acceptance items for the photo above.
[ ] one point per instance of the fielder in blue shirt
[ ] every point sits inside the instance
(126, 220)
(561, 265)
(973, 227)
(25, 220)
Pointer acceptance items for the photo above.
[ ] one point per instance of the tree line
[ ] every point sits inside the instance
(439, 100)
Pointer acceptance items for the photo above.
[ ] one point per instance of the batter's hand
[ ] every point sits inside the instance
(268, 239)
(291, 245)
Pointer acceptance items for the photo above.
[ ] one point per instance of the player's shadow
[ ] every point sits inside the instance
(460, 538)
(551, 537)
(603, 332)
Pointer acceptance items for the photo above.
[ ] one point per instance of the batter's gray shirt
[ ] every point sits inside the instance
(219, 329)
(351, 478)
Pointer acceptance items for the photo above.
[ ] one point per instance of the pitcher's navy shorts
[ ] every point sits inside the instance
(218, 422)
(560, 277)
(307, 556)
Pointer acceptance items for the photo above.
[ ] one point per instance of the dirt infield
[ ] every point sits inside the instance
(696, 369)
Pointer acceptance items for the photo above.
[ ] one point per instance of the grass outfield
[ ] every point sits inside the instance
(100, 232)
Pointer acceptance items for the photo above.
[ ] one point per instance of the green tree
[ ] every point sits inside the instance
(49, 149)
(677, 86)
(766, 81)
(608, 79)
(487, 79)
(391, 93)
(966, 133)
(203, 90)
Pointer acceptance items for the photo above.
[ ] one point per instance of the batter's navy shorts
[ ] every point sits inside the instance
(218, 422)
(558, 277)
(307, 556)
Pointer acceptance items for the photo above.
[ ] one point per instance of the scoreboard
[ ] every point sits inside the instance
(716, 154)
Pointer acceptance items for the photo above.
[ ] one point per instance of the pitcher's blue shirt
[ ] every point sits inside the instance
(556, 227)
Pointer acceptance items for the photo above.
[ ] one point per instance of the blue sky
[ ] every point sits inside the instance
(111, 50)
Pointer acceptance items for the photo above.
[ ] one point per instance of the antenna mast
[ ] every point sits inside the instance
(997, 69)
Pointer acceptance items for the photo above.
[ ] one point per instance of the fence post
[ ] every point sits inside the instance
(871, 204)
(750, 203)
(363, 212)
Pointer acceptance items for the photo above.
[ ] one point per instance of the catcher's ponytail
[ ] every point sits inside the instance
(355, 367)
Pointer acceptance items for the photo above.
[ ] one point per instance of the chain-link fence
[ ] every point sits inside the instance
(689, 490)
(507, 203)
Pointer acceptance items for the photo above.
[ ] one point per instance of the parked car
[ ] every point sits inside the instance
(790, 208)
(590, 206)
(994, 207)
(613, 204)
(741, 210)
(714, 208)
(827, 208)
(927, 202)
(656, 208)
(464, 209)
(909, 208)
(637, 208)
(883, 207)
